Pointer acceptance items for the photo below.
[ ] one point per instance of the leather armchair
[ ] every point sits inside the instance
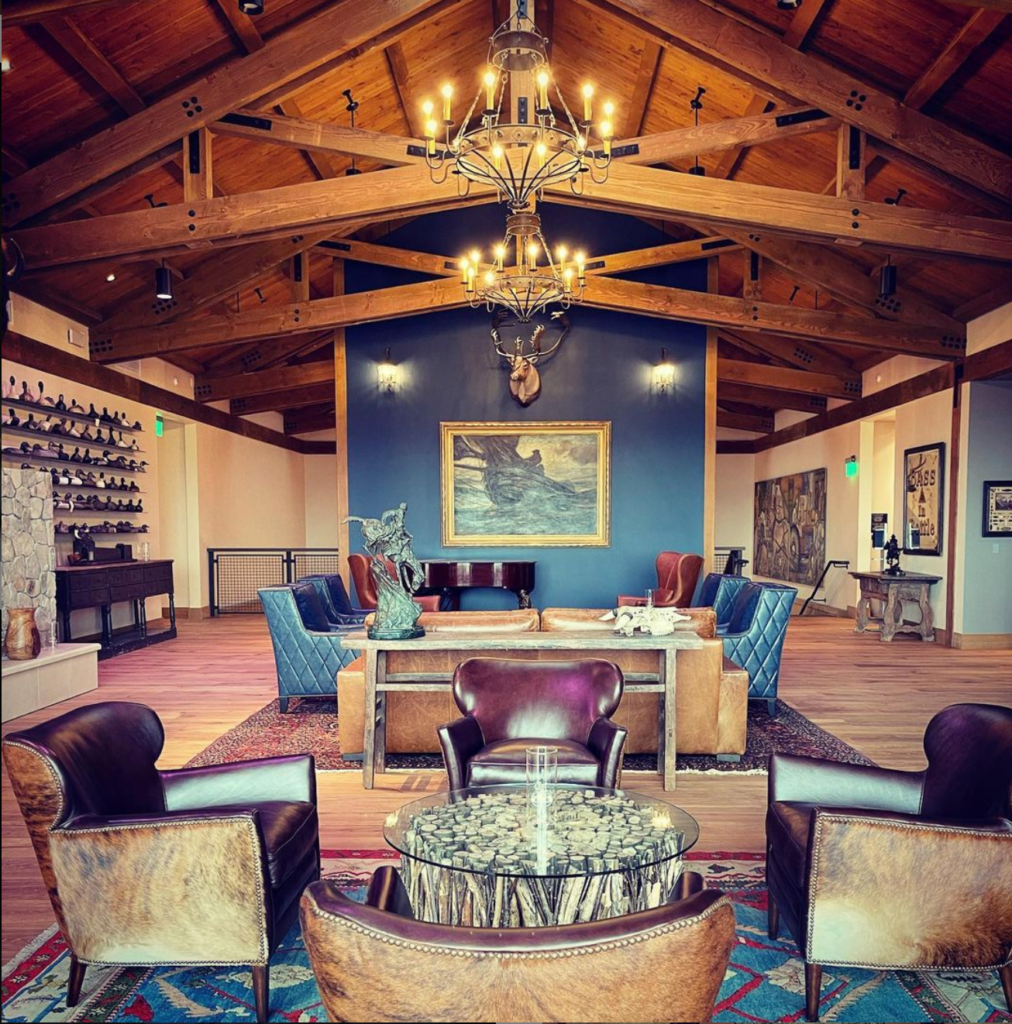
(889, 869)
(676, 581)
(719, 591)
(754, 636)
(374, 962)
(335, 600)
(189, 867)
(307, 647)
(510, 705)
(366, 588)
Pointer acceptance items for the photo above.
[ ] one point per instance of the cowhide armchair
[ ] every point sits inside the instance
(375, 962)
(889, 869)
(201, 866)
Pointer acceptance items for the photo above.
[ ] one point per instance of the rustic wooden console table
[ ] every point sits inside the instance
(893, 591)
(378, 682)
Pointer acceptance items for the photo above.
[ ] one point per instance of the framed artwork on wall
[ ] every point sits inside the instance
(924, 476)
(998, 508)
(790, 527)
(526, 484)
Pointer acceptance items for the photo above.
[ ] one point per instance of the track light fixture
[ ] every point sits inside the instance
(251, 7)
(163, 283)
(887, 280)
(351, 108)
(696, 105)
(788, 5)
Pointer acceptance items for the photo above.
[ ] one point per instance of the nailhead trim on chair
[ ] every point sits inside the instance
(427, 947)
(814, 885)
(254, 838)
(51, 768)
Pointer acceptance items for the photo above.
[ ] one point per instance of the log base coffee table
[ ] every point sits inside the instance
(476, 857)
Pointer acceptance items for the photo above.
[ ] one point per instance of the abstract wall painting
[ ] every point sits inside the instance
(790, 527)
(526, 484)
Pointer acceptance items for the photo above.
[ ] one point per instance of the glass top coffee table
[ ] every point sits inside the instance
(493, 857)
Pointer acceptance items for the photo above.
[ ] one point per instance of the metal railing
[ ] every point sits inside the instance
(729, 561)
(236, 574)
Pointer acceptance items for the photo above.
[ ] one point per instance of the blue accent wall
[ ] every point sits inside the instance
(449, 371)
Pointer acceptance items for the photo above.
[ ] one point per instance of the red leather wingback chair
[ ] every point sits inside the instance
(891, 869)
(510, 705)
(147, 867)
(374, 961)
(676, 581)
(366, 588)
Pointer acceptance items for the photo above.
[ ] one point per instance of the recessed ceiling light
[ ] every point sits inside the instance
(110, 277)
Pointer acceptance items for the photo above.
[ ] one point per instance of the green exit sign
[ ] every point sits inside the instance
(159, 426)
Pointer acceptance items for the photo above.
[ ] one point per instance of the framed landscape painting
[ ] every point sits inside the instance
(924, 477)
(526, 484)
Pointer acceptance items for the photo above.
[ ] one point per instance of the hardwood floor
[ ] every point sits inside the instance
(877, 697)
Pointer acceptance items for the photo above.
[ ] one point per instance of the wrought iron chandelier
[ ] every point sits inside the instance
(531, 143)
(536, 280)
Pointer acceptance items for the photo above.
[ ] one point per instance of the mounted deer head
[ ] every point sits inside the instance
(525, 381)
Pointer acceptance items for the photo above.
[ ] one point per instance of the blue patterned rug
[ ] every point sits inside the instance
(765, 980)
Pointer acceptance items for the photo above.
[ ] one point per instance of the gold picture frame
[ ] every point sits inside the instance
(538, 484)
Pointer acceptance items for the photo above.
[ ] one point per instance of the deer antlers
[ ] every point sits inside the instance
(535, 339)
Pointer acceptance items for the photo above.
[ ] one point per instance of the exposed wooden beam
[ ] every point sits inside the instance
(662, 255)
(27, 12)
(829, 271)
(851, 161)
(57, 301)
(282, 378)
(58, 361)
(198, 179)
(304, 47)
(983, 303)
(314, 417)
(815, 80)
(293, 398)
(787, 379)
(445, 293)
(770, 398)
(260, 355)
(93, 62)
(230, 219)
(978, 27)
(1005, 6)
(751, 277)
(643, 85)
(793, 352)
(389, 256)
(398, 66)
(745, 421)
(650, 192)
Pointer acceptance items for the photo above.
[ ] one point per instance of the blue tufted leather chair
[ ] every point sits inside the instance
(754, 637)
(307, 647)
(718, 591)
(335, 600)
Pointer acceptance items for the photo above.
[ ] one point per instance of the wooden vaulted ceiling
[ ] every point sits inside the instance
(78, 68)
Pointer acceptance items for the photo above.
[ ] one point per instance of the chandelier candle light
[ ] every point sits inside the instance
(519, 149)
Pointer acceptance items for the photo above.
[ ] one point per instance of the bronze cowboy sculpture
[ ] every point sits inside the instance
(389, 544)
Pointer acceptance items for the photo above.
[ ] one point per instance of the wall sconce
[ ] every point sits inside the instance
(850, 467)
(387, 373)
(664, 373)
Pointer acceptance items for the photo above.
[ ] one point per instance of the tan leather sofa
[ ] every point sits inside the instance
(712, 693)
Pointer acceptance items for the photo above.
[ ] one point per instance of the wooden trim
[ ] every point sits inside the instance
(982, 641)
(770, 398)
(309, 44)
(788, 378)
(282, 378)
(710, 420)
(744, 447)
(952, 526)
(278, 401)
(341, 431)
(26, 12)
(744, 421)
(816, 81)
(54, 360)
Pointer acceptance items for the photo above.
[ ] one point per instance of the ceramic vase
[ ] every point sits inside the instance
(22, 641)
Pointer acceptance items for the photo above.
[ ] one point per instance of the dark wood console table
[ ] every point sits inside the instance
(892, 591)
(103, 584)
(449, 576)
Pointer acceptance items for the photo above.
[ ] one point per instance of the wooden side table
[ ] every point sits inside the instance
(892, 591)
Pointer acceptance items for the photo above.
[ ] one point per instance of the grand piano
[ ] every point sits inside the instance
(449, 576)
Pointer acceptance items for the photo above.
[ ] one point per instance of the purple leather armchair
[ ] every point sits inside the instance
(195, 866)
(889, 869)
(375, 962)
(510, 705)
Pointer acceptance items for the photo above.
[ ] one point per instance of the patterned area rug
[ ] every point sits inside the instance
(311, 726)
(764, 982)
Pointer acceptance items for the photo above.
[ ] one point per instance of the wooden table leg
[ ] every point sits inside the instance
(891, 614)
(670, 753)
(927, 616)
(381, 712)
(369, 744)
(863, 606)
